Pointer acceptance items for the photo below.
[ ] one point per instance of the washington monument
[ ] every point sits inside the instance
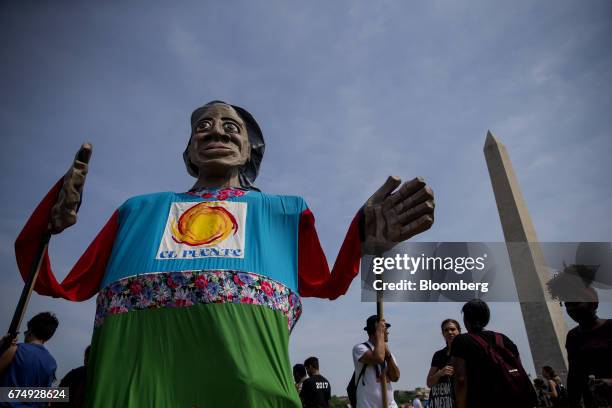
(546, 328)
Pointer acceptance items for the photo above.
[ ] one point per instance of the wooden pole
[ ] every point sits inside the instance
(383, 374)
(26, 293)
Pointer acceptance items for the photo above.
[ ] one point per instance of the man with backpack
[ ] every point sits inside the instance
(488, 370)
(372, 360)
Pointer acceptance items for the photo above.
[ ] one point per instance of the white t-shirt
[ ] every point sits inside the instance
(368, 395)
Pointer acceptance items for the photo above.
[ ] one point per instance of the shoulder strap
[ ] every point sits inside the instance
(482, 342)
(499, 340)
(365, 365)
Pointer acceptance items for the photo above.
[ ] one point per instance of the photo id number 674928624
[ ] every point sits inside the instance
(34, 394)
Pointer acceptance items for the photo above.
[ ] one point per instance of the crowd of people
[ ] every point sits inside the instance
(480, 368)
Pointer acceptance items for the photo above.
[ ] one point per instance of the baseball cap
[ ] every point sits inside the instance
(371, 323)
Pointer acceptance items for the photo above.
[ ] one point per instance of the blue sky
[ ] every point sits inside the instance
(347, 93)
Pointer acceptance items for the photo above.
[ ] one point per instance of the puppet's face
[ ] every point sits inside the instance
(219, 142)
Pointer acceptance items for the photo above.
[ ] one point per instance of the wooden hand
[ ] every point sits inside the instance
(64, 212)
(392, 217)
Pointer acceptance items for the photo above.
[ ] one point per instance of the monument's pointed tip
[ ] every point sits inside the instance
(491, 140)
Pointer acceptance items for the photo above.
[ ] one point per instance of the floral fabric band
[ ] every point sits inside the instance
(221, 195)
(188, 288)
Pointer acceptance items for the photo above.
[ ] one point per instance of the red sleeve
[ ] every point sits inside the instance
(314, 278)
(84, 279)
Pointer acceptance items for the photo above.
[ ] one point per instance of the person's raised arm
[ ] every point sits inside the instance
(9, 354)
(377, 355)
(393, 371)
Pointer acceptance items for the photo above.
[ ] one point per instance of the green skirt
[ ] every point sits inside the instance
(205, 355)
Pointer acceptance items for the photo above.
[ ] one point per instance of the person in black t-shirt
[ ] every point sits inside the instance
(316, 391)
(589, 353)
(75, 380)
(476, 378)
(439, 378)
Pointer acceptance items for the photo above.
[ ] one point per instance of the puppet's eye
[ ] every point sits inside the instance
(231, 127)
(204, 125)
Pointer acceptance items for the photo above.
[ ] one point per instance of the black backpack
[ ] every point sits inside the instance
(562, 400)
(351, 388)
(512, 381)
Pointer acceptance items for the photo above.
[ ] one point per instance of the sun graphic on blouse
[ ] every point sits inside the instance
(204, 224)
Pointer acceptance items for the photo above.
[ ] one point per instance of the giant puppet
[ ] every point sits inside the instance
(197, 292)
